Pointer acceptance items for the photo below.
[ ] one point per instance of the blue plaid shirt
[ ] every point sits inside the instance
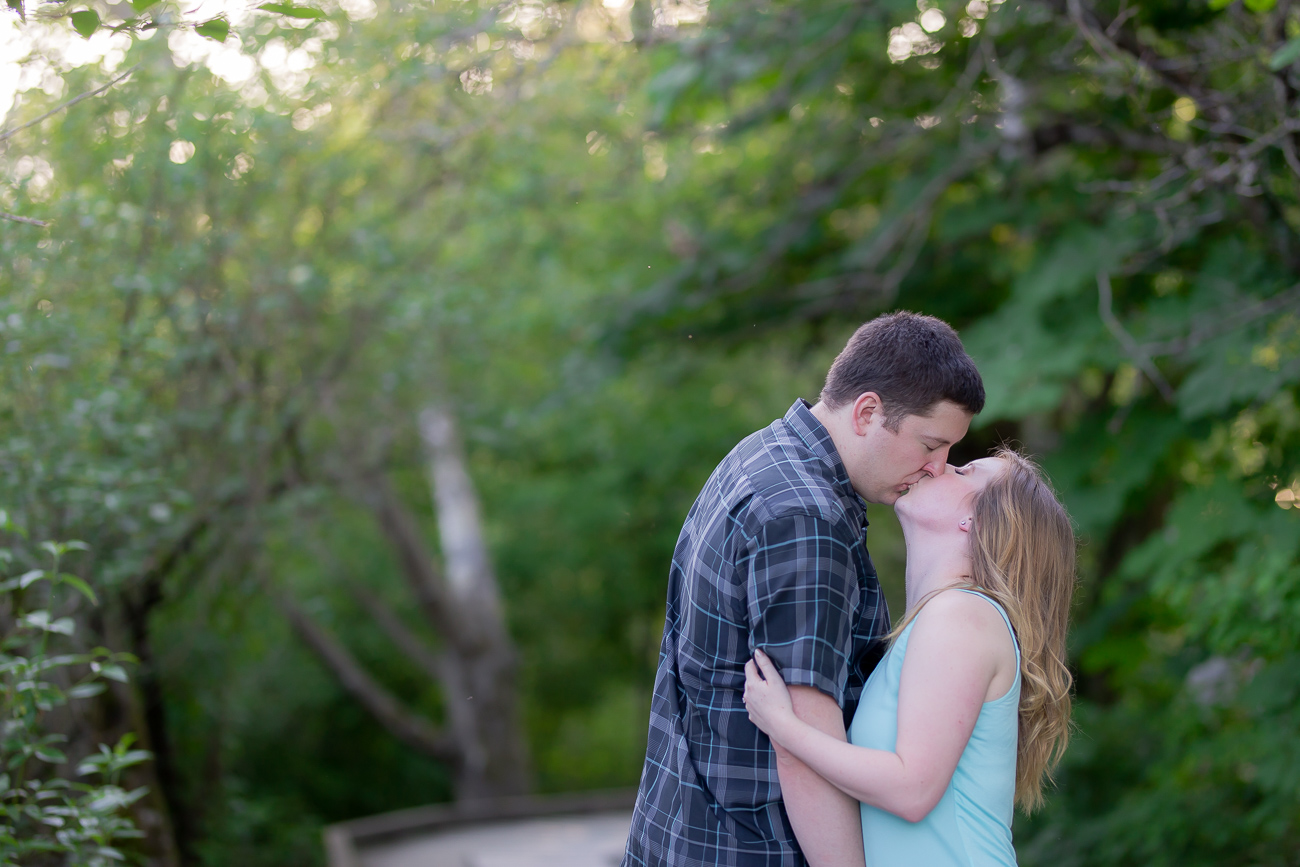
(773, 555)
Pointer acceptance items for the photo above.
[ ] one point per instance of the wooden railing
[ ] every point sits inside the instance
(344, 840)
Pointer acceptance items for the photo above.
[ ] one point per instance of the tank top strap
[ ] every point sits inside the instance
(1005, 619)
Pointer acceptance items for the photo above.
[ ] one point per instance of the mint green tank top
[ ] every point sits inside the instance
(971, 824)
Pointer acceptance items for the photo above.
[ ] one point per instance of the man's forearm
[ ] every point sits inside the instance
(826, 821)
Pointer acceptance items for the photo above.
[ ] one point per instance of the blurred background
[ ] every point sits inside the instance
(377, 349)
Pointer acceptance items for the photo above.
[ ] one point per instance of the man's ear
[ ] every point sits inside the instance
(868, 409)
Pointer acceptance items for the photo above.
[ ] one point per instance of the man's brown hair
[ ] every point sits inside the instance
(911, 361)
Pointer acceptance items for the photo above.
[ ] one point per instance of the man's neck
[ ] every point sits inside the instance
(834, 421)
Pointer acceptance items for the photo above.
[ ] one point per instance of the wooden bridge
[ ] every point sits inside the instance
(582, 830)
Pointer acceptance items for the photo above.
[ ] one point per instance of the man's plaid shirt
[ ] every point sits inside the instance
(773, 555)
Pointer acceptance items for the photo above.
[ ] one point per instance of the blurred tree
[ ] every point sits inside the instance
(190, 353)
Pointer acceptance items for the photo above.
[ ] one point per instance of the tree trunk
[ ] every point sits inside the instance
(479, 683)
(474, 663)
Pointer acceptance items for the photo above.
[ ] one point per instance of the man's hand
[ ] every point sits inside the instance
(826, 821)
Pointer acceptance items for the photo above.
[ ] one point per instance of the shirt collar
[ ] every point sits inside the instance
(816, 437)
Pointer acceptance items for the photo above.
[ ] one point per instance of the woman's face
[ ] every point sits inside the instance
(943, 502)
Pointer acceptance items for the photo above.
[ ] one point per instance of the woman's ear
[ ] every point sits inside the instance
(966, 523)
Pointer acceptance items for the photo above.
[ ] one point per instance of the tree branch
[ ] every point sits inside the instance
(382, 705)
(1140, 358)
(414, 557)
(1223, 322)
(9, 133)
(415, 648)
(444, 669)
(28, 220)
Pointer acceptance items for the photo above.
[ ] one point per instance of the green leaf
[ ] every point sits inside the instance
(62, 660)
(86, 690)
(27, 579)
(80, 586)
(85, 22)
(17, 6)
(1260, 5)
(63, 626)
(7, 520)
(141, 5)
(217, 28)
(290, 11)
(114, 672)
(113, 798)
(1288, 54)
(132, 757)
(51, 755)
(41, 620)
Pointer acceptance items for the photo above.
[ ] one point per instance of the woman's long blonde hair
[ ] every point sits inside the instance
(1023, 556)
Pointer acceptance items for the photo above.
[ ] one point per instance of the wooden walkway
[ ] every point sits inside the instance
(594, 840)
(577, 830)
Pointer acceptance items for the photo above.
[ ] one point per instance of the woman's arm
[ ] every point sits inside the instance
(957, 647)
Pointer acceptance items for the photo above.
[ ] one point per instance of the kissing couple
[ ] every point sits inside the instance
(790, 723)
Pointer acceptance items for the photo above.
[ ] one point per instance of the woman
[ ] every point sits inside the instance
(969, 710)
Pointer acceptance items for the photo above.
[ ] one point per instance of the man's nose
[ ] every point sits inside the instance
(938, 466)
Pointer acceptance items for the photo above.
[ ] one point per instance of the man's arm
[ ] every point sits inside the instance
(826, 821)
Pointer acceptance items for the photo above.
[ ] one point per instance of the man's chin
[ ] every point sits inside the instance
(887, 498)
(897, 494)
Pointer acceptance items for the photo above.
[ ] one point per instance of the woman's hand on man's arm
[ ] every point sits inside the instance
(953, 653)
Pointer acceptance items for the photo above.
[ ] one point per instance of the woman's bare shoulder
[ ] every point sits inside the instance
(960, 605)
(968, 619)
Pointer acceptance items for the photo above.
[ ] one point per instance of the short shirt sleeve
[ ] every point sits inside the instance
(802, 593)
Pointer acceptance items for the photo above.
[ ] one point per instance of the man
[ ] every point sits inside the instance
(773, 555)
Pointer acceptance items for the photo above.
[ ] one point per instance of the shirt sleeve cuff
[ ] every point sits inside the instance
(815, 679)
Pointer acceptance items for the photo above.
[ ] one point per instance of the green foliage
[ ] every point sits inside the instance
(42, 814)
(151, 15)
(291, 11)
(1285, 56)
(214, 28)
(85, 22)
